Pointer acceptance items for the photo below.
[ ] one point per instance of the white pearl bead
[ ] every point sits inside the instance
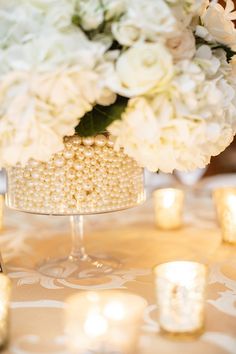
(88, 152)
(34, 163)
(35, 175)
(110, 143)
(68, 154)
(88, 186)
(26, 174)
(78, 166)
(59, 162)
(100, 140)
(76, 140)
(88, 141)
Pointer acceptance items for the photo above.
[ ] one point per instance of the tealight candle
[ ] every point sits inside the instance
(5, 293)
(225, 201)
(180, 292)
(168, 203)
(103, 322)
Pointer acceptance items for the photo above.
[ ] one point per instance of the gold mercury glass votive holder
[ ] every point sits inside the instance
(168, 206)
(180, 294)
(103, 322)
(5, 294)
(225, 203)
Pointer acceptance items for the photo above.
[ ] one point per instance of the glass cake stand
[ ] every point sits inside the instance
(88, 177)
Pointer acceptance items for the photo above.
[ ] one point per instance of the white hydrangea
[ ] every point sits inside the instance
(182, 127)
(113, 8)
(144, 20)
(23, 20)
(46, 86)
(91, 13)
(38, 110)
(70, 48)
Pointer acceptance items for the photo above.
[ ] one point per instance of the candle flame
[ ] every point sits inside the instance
(168, 198)
(114, 310)
(95, 325)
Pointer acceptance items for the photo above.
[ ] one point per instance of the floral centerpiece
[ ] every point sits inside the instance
(159, 75)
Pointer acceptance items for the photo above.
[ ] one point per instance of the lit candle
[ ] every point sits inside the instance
(168, 203)
(5, 293)
(180, 292)
(103, 322)
(225, 201)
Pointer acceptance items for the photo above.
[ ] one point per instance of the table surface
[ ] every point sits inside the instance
(130, 236)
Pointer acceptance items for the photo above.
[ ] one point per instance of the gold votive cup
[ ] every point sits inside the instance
(103, 322)
(180, 294)
(225, 203)
(5, 294)
(168, 206)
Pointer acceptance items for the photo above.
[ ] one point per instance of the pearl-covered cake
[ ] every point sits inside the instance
(87, 177)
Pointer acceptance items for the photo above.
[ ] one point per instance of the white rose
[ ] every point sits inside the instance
(142, 68)
(219, 23)
(182, 46)
(91, 13)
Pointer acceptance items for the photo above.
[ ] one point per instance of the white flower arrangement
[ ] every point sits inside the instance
(159, 75)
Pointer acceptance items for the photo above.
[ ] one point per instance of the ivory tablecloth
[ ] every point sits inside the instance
(131, 236)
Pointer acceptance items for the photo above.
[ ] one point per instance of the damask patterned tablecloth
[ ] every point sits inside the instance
(131, 236)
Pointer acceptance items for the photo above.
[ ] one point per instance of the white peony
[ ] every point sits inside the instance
(144, 20)
(143, 67)
(182, 46)
(91, 13)
(182, 127)
(218, 24)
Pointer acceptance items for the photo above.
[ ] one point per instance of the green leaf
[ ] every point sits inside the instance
(101, 117)
(76, 20)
